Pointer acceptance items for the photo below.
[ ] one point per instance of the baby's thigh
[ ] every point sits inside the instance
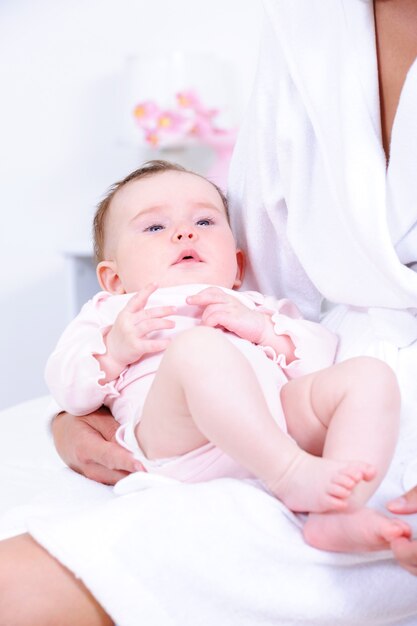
(166, 428)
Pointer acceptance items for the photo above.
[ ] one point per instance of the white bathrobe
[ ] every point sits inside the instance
(313, 200)
(309, 189)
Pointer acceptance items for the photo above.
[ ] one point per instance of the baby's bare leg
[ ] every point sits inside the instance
(356, 404)
(349, 411)
(36, 590)
(206, 390)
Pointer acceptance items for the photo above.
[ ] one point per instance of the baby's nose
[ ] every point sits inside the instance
(185, 234)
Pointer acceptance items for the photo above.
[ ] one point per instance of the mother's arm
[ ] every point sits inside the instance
(87, 445)
(405, 551)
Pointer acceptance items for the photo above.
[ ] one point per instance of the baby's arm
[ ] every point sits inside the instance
(72, 373)
(82, 371)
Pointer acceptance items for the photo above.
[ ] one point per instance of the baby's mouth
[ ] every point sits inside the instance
(187, 256)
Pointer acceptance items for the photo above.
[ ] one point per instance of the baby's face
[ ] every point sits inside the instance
(169, 229)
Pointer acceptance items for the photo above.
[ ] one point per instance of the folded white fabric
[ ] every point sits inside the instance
(221, 552)
(162, 553)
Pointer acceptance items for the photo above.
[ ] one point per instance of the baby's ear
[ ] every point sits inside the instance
(108, 277)
(241, 264)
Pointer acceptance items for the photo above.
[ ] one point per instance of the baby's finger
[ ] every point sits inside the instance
(149, 346)
(209, 295)
(151, 325)
(218, 318)
(155, 311)
(214, 309)
(139, 300)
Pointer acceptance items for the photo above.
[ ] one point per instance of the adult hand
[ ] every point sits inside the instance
(405, 551)
(87, 445)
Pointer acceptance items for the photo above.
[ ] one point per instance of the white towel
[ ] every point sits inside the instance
(222, 552)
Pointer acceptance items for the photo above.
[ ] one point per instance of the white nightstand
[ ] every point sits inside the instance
(82, 279)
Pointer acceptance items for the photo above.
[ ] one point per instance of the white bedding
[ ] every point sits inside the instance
(31, 472)
(222, 552)
(28, 461)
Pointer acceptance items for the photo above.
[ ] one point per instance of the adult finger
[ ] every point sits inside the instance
(405, 504)
(112, 456)
(101, 474)
(405, 552)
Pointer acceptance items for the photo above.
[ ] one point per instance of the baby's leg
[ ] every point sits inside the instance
(345, 412)
(356, 405)
(206, 390)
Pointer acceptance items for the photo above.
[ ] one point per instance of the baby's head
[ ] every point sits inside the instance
(166, 225)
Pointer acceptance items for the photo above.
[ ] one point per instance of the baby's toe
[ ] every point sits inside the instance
(339, 491)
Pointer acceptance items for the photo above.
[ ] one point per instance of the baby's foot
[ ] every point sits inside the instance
(362, 530)
(315, 485)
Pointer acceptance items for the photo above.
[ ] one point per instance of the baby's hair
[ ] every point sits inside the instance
(150, 168)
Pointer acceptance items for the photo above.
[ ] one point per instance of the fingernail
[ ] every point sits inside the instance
(400, 502)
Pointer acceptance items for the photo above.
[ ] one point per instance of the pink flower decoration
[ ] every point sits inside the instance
(145, 112)
(170, 122)
(152, 137)
(188, 100)
(189, 120)
(202, 127)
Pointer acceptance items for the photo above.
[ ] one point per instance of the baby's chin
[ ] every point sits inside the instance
(182, 281)
(200, 280)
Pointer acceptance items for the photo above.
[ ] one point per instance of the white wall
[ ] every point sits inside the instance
(61, 140)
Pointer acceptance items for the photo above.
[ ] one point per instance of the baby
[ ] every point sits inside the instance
(208, 382)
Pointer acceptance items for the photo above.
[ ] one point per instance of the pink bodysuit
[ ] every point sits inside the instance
(73, 373)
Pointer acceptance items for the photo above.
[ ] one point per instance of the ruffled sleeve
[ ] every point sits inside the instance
(315, 345)
(72, 373)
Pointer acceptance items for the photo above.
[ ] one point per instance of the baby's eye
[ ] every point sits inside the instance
(205, 222)
(154, 228)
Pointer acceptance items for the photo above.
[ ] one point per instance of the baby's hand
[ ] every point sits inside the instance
(128, 339)
(222, 309)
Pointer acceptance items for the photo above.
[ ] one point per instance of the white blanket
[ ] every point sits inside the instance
(222, 552)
